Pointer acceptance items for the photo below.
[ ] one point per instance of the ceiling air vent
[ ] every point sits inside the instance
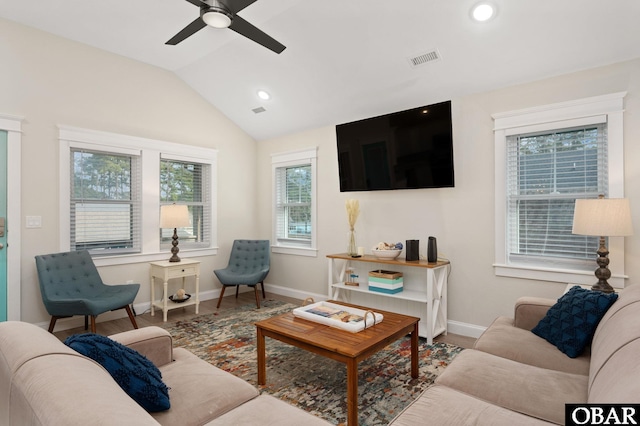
(424, 58)
(258, 110)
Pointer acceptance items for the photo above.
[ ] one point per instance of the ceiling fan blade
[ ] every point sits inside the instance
(244, 28)
(196, 2)
(236, 6)
(187, 31)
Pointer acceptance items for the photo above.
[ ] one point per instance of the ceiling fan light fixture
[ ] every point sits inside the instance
(217, 17)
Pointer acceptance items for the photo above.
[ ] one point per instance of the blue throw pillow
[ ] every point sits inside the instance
(572, 321)
(135, 374)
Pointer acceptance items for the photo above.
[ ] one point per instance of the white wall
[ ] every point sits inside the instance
(52, 81)
(462, 218)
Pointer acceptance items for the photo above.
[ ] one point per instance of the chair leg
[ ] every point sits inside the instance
(221, 295)
(237, 290)
(93, 323)
(86, 322)
(264, 296)
(131, 317)
(255, 290)
(52, 323)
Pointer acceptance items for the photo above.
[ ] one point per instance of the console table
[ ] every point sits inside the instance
(166, 270)
(424, 289)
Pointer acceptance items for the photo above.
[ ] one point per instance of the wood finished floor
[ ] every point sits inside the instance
(209, 306)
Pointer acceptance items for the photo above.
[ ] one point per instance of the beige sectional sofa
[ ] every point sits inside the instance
(44, 382)
(513, 377)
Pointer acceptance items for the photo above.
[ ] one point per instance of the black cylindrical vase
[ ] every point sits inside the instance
(412, 251)
(432, 250)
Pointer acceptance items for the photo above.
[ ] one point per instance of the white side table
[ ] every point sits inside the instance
(166, 270)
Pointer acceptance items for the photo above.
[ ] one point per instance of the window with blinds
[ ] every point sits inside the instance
(105, 214)
(293, 204)
(188, 183)
(546, 173)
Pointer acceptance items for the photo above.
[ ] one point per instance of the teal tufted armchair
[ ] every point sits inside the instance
(248, 265)
(71, 285)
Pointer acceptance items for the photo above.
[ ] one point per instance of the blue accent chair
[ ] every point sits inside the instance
(71, 285)
(248, 265)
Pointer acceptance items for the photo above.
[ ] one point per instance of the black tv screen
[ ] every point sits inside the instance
(403, 150)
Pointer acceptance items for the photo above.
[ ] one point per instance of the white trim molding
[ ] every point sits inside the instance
(296, 158)
(606, 108)
(152, 151)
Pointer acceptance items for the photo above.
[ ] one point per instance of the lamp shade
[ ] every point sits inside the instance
(606, 217)
(174, 216)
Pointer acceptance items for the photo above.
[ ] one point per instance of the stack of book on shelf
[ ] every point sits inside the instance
(382, 281)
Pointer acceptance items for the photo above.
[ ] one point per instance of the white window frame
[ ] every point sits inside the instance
(608, 109)
(208, 210)
(151, 151)
(136, 188)
(288, 159)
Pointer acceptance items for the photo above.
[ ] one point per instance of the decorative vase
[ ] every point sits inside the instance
(352, 247)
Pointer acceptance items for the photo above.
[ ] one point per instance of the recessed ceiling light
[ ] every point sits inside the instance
(264, 95)
(484, 11)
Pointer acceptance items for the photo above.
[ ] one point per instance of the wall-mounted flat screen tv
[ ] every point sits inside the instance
(403, 150)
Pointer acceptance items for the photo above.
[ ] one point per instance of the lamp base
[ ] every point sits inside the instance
(603, 288)
(602, 273)
(174, 249)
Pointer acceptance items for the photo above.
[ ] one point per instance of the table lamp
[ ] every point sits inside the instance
(602, 217)
(174, 216)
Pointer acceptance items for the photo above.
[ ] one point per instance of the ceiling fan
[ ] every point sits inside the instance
(223, 14)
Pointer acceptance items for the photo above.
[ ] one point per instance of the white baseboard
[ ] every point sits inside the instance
(465, 329)
(143, 307)
(455, 327)
(138, 308)
(296, 294)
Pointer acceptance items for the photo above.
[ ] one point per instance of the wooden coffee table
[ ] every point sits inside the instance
(340, 345)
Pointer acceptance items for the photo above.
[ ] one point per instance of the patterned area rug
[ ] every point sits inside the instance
(311, 382)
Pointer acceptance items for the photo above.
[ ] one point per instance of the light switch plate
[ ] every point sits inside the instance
(34, 222)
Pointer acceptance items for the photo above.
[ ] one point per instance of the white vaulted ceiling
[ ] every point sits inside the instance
(348, 59)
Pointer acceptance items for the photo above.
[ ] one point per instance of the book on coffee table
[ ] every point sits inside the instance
(340, 316)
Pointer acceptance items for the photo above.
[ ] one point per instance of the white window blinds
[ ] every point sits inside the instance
(293, 204)
(105, 216)
(187, 183)
(546, 173)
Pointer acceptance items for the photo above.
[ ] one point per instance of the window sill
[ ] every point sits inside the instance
(562, 276)
(296, 251)
(151, 257)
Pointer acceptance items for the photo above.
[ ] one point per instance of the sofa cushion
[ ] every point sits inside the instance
(64, 389)
(533, 391)
(440, 405)
(135, 374)
(266, 410)
(200, 391)
(503, 339)
(153, 342)
(572, 321)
